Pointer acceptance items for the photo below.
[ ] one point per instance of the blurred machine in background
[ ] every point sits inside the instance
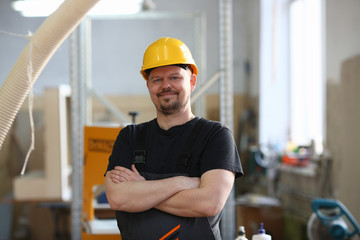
(98, 219)
(331, 220)
(279, 187)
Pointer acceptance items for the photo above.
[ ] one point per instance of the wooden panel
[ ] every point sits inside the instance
(52, 183)
(343, 134)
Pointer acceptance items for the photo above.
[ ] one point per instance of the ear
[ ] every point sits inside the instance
(193, 81)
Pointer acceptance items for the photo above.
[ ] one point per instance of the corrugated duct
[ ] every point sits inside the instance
(36, 54)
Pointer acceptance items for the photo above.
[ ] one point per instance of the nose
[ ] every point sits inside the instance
(166, 83)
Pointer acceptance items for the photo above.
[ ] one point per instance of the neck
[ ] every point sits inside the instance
(168, 121)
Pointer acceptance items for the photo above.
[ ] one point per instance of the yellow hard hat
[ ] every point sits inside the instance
(167, 51)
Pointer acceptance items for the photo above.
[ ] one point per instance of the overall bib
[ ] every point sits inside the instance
(154, 224)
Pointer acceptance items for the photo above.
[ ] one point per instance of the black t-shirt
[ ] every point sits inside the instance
(213, 148)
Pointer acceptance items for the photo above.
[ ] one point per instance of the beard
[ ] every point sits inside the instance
(168, 106)
(171, 108)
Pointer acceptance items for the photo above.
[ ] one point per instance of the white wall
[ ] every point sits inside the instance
(342, 35)
(343, 111)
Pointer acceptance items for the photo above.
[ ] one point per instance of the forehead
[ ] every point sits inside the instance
(167, 70)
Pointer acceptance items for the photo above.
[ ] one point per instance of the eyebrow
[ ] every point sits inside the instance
(175, 74)
(170, 75)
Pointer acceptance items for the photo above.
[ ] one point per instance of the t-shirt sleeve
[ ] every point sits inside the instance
(121, 154)
(220, 152)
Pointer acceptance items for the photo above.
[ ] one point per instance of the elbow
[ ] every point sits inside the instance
(211, 205)
(118, 203)
(114, 205)
(213, 209)
(113, 201)
(114, 197)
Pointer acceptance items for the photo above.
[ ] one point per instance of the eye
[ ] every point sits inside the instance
(175, 77)
(155, 80)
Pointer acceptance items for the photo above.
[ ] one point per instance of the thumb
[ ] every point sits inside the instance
(133, 168)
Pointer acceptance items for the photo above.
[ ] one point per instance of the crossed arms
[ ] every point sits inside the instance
(128, 191)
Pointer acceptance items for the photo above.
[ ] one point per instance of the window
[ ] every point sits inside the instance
(306, 71)
(292, 85)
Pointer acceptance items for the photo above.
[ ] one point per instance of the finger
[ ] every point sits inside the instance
(115, 173)
(119, 168)
(114, 176)
(120, 176)
(123, 170)
(133, 168)
(115, 180)
(122, 179)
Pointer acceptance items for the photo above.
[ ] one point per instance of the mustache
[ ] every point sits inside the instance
(167, 91)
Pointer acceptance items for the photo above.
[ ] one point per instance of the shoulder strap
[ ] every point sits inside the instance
(184, 159)
(140, 138)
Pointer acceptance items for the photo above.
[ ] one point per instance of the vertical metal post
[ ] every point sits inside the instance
(200, 52)
(226, 100)
(78, 116)
(87, 95)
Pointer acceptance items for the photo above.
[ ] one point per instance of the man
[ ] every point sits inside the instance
(170, 178)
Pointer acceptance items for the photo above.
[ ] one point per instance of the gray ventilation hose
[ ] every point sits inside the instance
(50, 35)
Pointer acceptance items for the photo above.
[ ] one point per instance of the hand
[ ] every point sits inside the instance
(121, 174)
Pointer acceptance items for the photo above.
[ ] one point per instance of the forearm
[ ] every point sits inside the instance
(189, 203)
(137, 196)
(207, 200)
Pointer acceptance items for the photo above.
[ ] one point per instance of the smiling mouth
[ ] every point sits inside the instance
(167, 93)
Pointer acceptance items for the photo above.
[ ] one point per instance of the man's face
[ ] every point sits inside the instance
(170, 88)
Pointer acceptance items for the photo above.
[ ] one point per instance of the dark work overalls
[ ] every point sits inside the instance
(155, 224)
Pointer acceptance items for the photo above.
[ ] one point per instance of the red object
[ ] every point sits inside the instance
(295, 160)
